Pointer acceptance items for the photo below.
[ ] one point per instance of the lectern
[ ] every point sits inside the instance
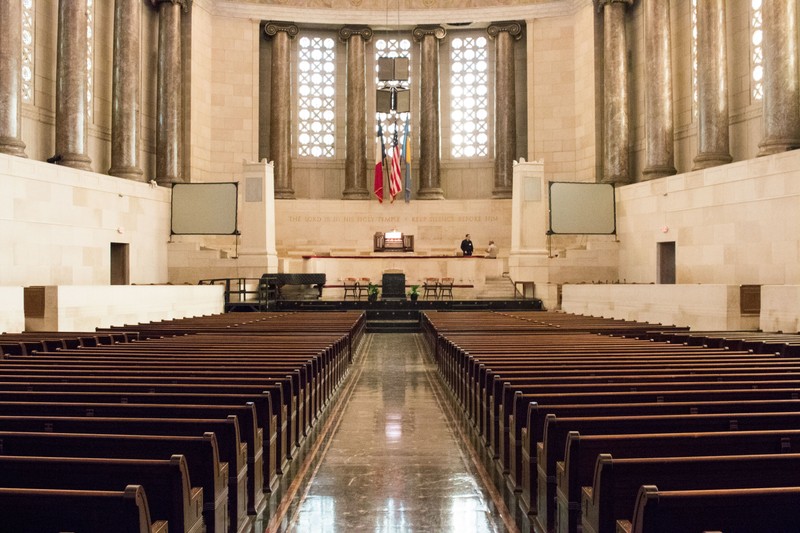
(394, 286)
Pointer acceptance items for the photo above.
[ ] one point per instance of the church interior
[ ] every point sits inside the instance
(308, 165)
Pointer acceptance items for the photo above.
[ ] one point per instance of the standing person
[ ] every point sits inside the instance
(491, 250)
(466, 246)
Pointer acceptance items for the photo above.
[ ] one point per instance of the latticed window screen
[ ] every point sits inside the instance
(393, 120)
(469, 97)
(757, 50)
(316, 71)
(28, 11)
(89, 56)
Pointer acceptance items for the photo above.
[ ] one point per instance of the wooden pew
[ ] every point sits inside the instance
(202, 458)
(27, 343)
(613, 493)
(533, 433)
(160, 414)
(244, 471)
(583, 450)
(551, 451)
(166, 482)
(285, 386)
(146, 389)
(729, 511)
(655, 392)
(195, 396)
(37, 510)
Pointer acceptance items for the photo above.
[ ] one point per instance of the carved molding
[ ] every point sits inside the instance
(600, 4)
(512, 27)
(364, 32)
(272, 28)
(186, 5)
(421, 31)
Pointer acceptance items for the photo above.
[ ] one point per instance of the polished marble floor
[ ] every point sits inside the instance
(393, 460)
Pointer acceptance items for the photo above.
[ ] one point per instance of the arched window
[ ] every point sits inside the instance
(316, 76)
(756, 50)
(28, 47)
(469, 97)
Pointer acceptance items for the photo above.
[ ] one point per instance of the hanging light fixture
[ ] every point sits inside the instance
(391, 96)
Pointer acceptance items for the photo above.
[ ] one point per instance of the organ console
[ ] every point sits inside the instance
(393, 241)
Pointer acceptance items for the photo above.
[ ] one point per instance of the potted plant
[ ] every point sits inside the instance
(414, 293)
(372, 292)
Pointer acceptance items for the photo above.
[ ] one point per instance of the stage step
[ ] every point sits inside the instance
(393, 326)
(497, 288)
(393, 321)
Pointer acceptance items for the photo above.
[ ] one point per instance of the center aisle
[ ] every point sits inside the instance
(395, 462)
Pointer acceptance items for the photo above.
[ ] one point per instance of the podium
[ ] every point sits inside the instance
(394, 286)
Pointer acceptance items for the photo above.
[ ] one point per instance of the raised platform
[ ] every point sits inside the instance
(391, 305)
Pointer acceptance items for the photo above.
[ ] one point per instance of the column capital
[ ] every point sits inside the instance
(435, 30)
(600, 4)
(512, 27)
(273, 27)
(186, 5)
(365, 32)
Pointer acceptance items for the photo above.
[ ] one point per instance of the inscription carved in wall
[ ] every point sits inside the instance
(423, 219)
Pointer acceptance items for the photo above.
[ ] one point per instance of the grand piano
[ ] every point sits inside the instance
(275, 285)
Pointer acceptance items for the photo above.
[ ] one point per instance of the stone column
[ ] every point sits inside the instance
(125, 92)
(71, 86)
(355, 166)
(10, 83)
(430, 187)
(616, 121)
(280, 141)
(781, 84)
(659, 125)
(169, 101)
(505, 113)
(713, 144)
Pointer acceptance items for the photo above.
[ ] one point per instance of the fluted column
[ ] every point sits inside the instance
(71, 86)
(505, 130)
(713, 139)
(355, 165)
(659, 125)
(781, 84)
(125, 92)
(280, 141)
(169, 104)
(616, 122)
(10, 83)
(430, 187)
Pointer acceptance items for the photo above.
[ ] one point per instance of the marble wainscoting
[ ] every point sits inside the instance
(12, 310)
(700, 307)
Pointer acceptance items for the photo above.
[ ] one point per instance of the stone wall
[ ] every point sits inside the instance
(732, 224)
(57, 224)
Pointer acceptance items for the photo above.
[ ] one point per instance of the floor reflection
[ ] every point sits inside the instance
(394, 464)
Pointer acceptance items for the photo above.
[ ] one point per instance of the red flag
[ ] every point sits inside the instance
(395, 181)
(380, 155)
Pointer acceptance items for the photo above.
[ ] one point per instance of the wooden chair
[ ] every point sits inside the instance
(446, 288)
(430, 288)
(350, 287)
(363, 287)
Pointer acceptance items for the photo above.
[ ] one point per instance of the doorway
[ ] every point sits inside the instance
(120, 269)
(666, 263)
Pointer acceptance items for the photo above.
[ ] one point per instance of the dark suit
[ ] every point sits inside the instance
(466, 247)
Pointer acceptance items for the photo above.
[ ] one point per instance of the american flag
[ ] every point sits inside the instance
(395, 180)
